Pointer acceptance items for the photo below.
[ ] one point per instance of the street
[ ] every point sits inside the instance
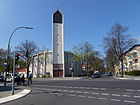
(99, 91)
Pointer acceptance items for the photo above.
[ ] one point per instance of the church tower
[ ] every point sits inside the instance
(58, 45)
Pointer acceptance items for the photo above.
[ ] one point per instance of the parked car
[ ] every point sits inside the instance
(96, 74)
(1, 78)
(10, 77)
(110, 73)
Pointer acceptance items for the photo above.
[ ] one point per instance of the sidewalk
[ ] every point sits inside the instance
(19, 91)
(127, 77)
(60, 78)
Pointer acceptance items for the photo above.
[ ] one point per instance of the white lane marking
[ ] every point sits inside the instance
(75, 87)
(105, 94)
(102, 88)
(81, 96)
(54, 93)
(138, 90)
(59, 90)
(71, 91)
(90, 97)
(94, 93)
(88, 88)
(95, 88)
(72, 95)
(81, 87)
(102, 98)
(129, 101)
(87, 92)
(115, 100)
(116, 95)
(136, 96)
(59, 94)
(126, 95)
(64, 90)
(132, 90)
(78, 91)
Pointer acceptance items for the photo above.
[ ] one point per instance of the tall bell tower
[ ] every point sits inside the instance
(58, 45)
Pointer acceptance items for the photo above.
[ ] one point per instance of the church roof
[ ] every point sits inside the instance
(57, 17)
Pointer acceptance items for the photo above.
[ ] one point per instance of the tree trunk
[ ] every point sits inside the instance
(122, 66)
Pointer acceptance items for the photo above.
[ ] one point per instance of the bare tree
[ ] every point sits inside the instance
(118, 41)
(82, 54)
(3, 54)
(27, 49)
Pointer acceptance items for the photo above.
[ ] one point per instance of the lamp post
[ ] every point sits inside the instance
(8, 53)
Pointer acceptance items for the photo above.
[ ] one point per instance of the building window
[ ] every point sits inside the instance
(134, 54)
(136, 61)
(57, 44)
(57, 34)
(57, 54)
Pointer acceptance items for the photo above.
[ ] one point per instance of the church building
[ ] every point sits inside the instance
(56, 63)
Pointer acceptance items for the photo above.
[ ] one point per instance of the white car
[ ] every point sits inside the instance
(10, 77)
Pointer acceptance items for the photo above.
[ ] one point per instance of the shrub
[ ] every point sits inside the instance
(134, 72)
(46, 76)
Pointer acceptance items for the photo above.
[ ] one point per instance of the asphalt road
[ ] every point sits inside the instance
(100, 91)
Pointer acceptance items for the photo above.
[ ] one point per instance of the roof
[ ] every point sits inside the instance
(136, 45)
(57, 17)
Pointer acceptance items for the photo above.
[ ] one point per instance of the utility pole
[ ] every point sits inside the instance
(13, 74)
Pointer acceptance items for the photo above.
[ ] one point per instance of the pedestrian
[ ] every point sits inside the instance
(18, 80)
(22, 79)
(30, 78)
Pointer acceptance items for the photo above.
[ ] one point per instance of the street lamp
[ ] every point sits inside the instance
(8, 53)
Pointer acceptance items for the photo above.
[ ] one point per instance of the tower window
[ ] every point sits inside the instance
(57, 54)
(57, 44)
(57, 34)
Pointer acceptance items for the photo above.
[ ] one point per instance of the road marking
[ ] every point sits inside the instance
(136, 96)
(129, 101)
(126, 95)
(81, 96)
(138, 90)
(69, 87)
(105, 94)
(59, 94)
(81, 87)
(87, 92)
(75, 87)
(64, 90)
(132, 90)
(72, 95)
(95, 88)
(94, 93)
(78, 91)
(116, 95)
(115, 100)
(71, 91)
(102, 98)
(102, 88)
(88, 88)
(90, 97)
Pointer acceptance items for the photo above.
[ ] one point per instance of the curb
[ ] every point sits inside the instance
(16, 96)
(126, 78)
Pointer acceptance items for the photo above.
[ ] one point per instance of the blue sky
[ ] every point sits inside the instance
(84, 20)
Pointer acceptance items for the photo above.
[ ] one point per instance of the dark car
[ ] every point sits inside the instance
(110, 74)
(96, 74)
(1, 78)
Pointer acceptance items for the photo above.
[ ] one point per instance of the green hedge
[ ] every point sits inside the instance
(134, 73)
(46, 76)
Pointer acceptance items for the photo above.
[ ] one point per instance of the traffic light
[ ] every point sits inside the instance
(16, 58)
